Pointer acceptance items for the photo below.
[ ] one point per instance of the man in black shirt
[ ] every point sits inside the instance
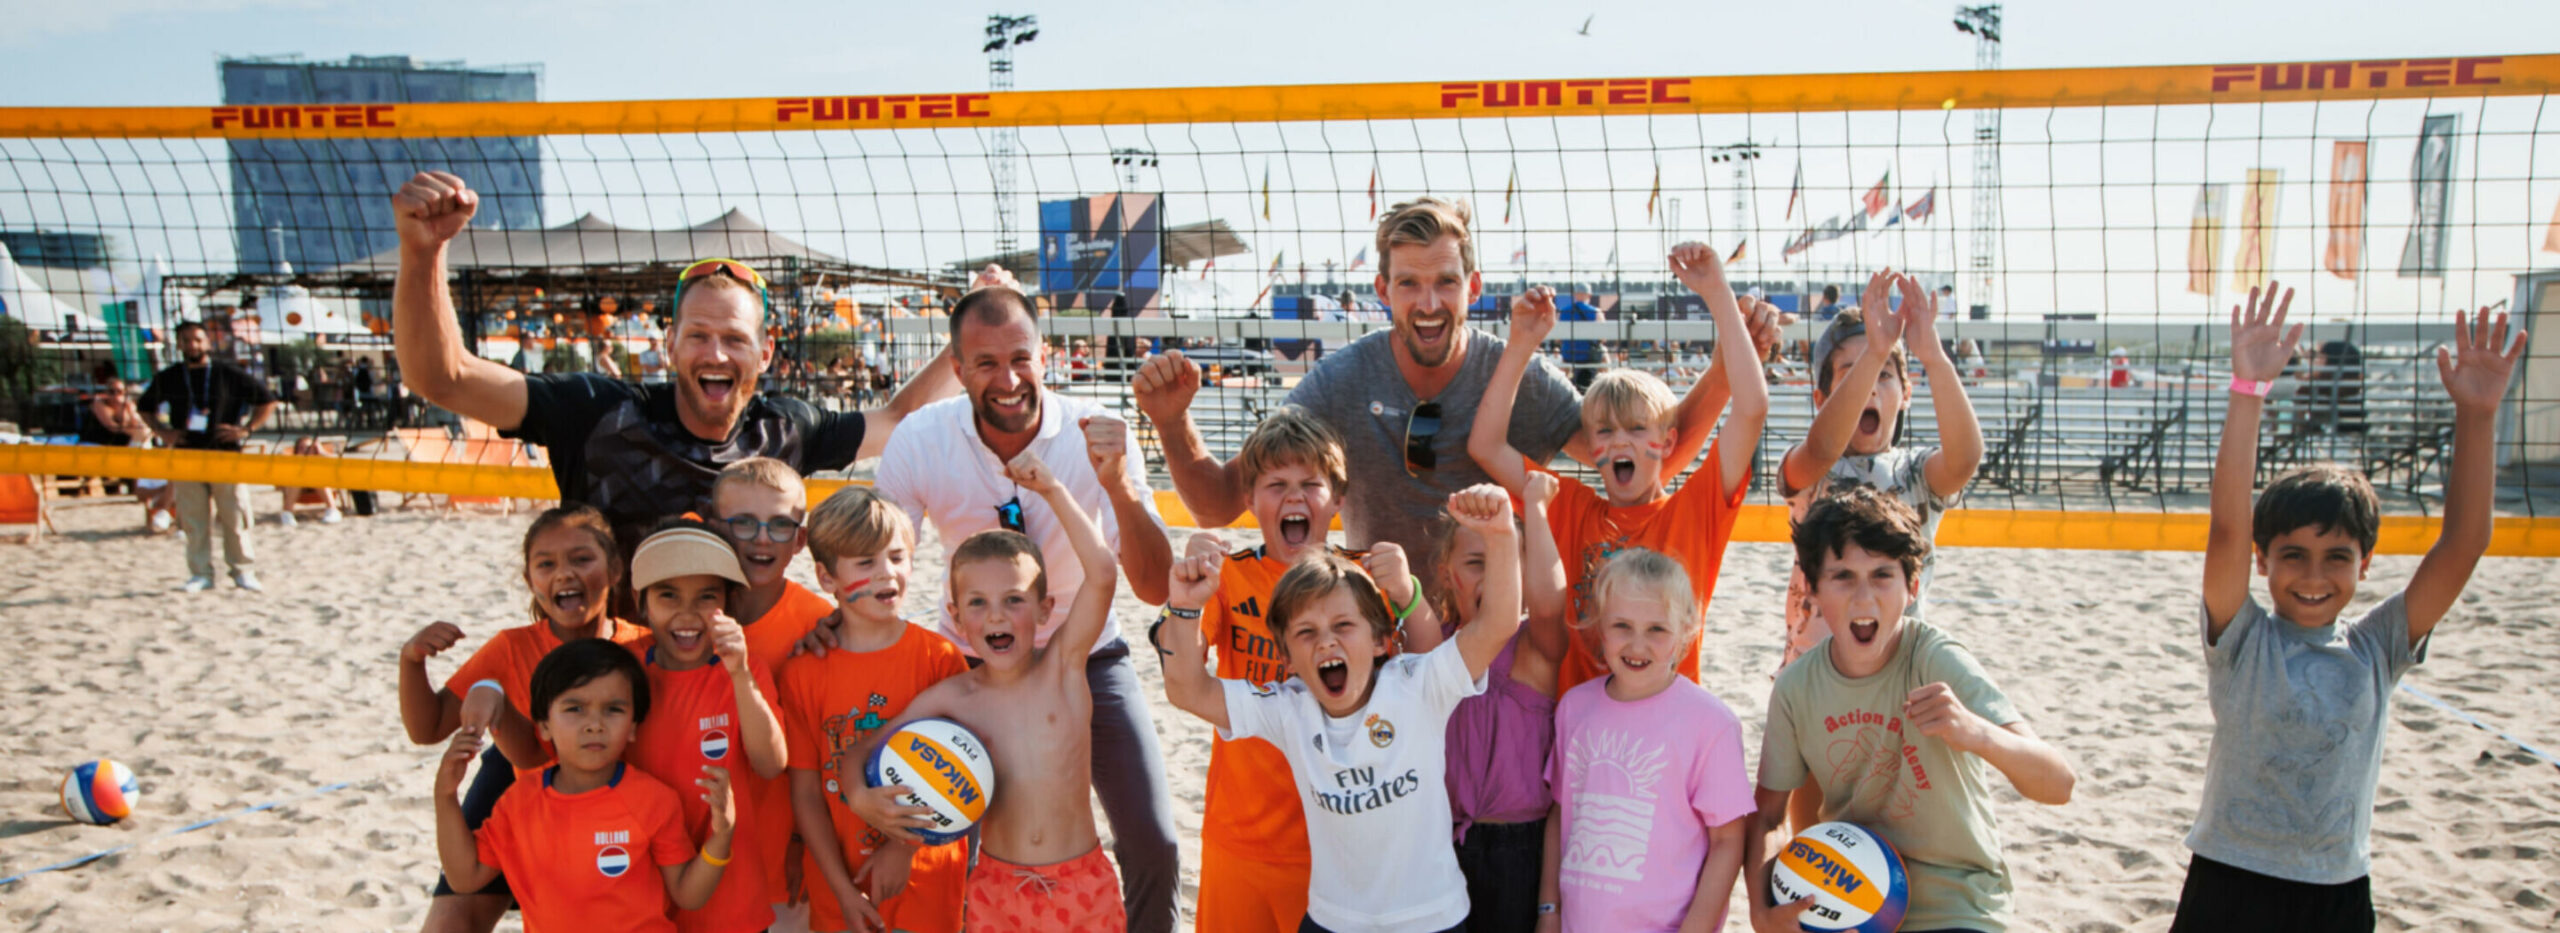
(638, 452)
(213, 405)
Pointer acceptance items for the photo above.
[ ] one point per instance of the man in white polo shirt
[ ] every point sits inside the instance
(946, 465)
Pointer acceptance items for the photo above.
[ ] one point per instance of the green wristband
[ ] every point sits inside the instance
(1412, 604)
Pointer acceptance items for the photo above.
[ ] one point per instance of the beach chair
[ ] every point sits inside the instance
(24, 502)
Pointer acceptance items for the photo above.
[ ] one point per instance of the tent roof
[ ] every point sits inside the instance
(594, 241)
(1183, 245)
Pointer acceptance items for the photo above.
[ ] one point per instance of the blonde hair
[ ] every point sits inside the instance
(1650, 573)
(1315, 578)
(1001, 546)
(1628, 398)
(762, 471)
(854, 522)
(1422, 222)
(1292, 435)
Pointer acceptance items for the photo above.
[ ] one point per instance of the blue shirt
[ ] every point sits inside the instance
(1580, 351)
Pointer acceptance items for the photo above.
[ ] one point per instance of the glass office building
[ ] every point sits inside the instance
(319, 203)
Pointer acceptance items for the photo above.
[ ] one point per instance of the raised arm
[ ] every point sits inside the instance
(1188, 685)
(1959, 432)
(2475, 374)
(1211, 489)
(426, 337)
(1145, 549)
(758, 728)
(1706, 398)
(2260, 344)
(1486, 510)
(456, 851)
(938, 380)
(1837, 420)
(427, 714)
(1533, 316)
(1542, 582)
(691, 884)
(1700, 268)
(1091, 607)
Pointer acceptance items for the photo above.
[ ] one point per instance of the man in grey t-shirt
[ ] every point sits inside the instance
(1428, 363)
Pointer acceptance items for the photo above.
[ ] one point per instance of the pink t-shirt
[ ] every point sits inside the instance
(1639, 785)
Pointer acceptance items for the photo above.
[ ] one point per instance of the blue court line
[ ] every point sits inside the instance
(191, 827)
(2475, 723)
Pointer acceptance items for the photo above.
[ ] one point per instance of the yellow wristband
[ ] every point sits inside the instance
(713, 861)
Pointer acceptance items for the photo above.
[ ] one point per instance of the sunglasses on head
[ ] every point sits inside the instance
(722, 266)
(1009, 516)
(1420, 429)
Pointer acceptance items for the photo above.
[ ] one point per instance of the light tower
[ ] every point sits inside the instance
(1983, 24)
(1004, 143)
(1740, 155)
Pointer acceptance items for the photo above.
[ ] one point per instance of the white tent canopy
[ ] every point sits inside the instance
(22, 298)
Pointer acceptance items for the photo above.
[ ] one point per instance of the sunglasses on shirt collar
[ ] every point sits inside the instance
(1421, 428)
(1009, 516)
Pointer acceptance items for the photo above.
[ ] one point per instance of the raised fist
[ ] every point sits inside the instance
(1533, 315)
(432, 208)
(1165, 385)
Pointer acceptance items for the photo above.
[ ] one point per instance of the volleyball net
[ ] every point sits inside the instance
(2086, 231)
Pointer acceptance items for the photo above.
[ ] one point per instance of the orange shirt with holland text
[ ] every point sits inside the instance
(692, 724)
(831, 707)
(588, 861)
(1691, 526)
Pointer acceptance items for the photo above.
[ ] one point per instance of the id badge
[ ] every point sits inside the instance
(196, 422)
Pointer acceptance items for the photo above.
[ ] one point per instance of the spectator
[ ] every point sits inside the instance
(215, 406)
(2119, 369)
(308, 446)
(653, 364)
(113, 421)
(1969, 353)
(1583, 357)
(1830, 307)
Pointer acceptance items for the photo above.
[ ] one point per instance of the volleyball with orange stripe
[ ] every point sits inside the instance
(100, 792)
(944, 767)
(1854, 877)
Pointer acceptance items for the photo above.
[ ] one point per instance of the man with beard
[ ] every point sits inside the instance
(948, 466)
(638, 452)
(214, 405)
(1406, 395)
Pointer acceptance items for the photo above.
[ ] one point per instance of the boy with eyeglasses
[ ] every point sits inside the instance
(1634, 427)
(760, 505)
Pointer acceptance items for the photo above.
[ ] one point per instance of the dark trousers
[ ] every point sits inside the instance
(1502, 863)
(2225, 897)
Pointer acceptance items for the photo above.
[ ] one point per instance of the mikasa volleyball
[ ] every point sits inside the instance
(1854, 877)
(947, 769)
(100, 792)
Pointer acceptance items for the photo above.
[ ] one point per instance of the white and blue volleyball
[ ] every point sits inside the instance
(1854, 877)
(946, 767)
(100, 792)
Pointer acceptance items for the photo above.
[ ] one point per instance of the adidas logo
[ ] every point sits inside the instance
(1250, 607)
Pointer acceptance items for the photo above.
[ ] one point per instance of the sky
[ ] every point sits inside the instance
(2097, 204)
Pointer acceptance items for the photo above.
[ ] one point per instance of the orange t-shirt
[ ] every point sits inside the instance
(767, 804)
(830, 707)
(510, 657)
(588, 861)
(693, 722)
(1253, 808)
(1691, 526)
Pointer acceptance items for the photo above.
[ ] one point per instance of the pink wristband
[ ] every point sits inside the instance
(2256, 387)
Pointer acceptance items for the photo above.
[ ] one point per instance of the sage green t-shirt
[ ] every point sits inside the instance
(1930, 801)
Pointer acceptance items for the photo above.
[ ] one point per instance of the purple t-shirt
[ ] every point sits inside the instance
(1639, 785)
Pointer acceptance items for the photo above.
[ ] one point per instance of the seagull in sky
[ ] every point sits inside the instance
(1585, 31)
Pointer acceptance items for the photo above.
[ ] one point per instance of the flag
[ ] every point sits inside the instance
(1876, 200)
(1919, 211)
(2257, 250)
(2551, 240)
(1795, 192)
(1508, 189)
(2423, 256)
(2346, 208)
(1857, 222)
(1521, 256)
(2204, 238)
(1799, 244)
(1360, 259)
(1269, 279)
(1655, 196)
(1206, 266)
(1738, 250)
(1266, 191)
(1613, 255)
(1373, 192)
(1829, 230)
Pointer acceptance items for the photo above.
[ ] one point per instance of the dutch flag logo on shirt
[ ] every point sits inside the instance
(613, 861)
(715, 745)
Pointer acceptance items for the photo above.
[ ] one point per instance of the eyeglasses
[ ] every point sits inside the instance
(1009, 515)
(723, 266)
(746, 527)
(1420, 429)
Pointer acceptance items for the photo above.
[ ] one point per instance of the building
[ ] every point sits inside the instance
(55, 249)
(317, 204)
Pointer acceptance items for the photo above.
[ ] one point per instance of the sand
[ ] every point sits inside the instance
(227, 700)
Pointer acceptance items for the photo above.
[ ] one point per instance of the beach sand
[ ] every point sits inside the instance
(226, 700)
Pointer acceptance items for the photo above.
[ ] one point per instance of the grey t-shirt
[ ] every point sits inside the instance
(1359, 391)
(2298, 718)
